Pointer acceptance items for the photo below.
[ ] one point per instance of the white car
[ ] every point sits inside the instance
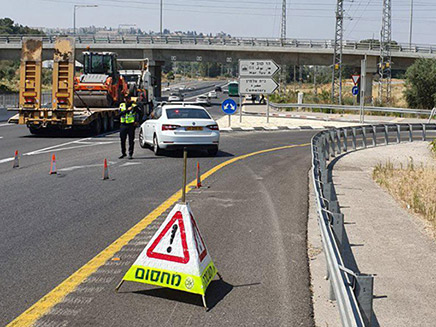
(212, 95)
(166, 89)
(203, 100)
(177, 126)
(175, 97)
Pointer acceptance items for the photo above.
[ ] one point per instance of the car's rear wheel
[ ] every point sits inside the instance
(213, 151)
(156, 149)
(142, 142)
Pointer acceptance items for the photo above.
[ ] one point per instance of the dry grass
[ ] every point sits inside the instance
(414, 187)
(398, 87)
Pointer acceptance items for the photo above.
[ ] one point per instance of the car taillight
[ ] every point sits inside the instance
(170, 127)
(213, 127)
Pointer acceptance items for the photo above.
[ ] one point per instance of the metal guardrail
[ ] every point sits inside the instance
(334, 107)
(230, 41)
(352, 290)
(11, 100)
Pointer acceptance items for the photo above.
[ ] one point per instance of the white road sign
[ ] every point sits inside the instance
(264, 68)
(257, 85)
(355, 79)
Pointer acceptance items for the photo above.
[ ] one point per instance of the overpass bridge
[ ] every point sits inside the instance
(229, 49)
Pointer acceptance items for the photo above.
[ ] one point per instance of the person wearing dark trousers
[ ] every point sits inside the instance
(129, 120)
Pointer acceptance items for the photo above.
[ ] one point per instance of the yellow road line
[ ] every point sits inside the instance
(40, 308)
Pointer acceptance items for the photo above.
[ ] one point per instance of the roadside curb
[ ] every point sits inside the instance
(270, 128)
(306, 117)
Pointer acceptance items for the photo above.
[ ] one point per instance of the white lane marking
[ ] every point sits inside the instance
(81, 143)
(1, 137)
(54, 147)
(130, 164)
(3, 125)
(85, 166)
(6, 160)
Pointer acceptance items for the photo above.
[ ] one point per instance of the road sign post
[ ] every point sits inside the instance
(255, 78)
(229, 107)
(362, 90)
(267, 108)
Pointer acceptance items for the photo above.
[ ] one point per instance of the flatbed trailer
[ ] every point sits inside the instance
(95, 120)
(61, 114)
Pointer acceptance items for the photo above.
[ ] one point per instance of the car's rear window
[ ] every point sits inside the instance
(186, 113)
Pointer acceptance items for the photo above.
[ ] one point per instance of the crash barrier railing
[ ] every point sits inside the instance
(11, 100)
(333, 107)
(352, 290)
(231, 41)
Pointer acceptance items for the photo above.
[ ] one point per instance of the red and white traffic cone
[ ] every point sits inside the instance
(198, 175)
(16, 160)
(53, 165)
(105, 170)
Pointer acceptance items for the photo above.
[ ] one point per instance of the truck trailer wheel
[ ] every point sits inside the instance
(111, 123)
(96, 126)
(35, 131)
(105, 123)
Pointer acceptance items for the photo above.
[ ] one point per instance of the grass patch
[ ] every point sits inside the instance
(414, 187)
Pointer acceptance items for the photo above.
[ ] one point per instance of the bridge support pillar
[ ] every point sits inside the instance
(371, 70)
(155, 69)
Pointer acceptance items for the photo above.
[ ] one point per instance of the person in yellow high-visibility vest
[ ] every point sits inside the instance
(129, 121)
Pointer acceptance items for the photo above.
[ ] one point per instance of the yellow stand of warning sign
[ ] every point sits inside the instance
(176, 256)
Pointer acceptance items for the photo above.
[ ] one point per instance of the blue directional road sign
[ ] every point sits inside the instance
(355, 90)
(229, 106)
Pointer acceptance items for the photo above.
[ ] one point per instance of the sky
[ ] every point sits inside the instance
(306, 19)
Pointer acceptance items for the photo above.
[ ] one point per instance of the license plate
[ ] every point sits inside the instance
(194, 128)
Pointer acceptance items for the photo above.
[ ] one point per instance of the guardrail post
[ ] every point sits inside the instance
(332, 143)
(353, 130)
(364, 137)
(326, 146)
(327, 191)
(338, 143)
(386, 134)
(374, 135)
(364, 293)
(423, 132)
(398, 133)
(410, 133)
(345, 140)
(337, 224)
(333, 204)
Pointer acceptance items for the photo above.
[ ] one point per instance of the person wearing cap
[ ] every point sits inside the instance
(129, 120)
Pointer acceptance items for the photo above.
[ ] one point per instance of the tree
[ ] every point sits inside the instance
(8, 26)
(421, 84)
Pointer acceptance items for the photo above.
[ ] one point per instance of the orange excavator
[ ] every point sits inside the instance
(100, 85)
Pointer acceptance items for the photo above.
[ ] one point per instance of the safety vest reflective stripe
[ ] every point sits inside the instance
(129, 117)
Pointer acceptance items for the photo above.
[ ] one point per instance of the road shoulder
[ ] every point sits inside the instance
(326, 312)
(386, 239)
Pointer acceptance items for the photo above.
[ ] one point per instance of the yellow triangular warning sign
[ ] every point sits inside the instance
(176, 256)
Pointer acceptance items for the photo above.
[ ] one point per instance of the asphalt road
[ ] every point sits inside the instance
(253, 218)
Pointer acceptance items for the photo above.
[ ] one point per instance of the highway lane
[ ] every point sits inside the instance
(253, 218)
(52, 225)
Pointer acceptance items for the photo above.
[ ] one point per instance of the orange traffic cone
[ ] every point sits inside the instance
(16, 160)
(198, 175)
(105, 170)
(53, 165)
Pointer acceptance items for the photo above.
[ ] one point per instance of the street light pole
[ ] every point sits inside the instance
(161, 7)
(74, 14)
(411, 22)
